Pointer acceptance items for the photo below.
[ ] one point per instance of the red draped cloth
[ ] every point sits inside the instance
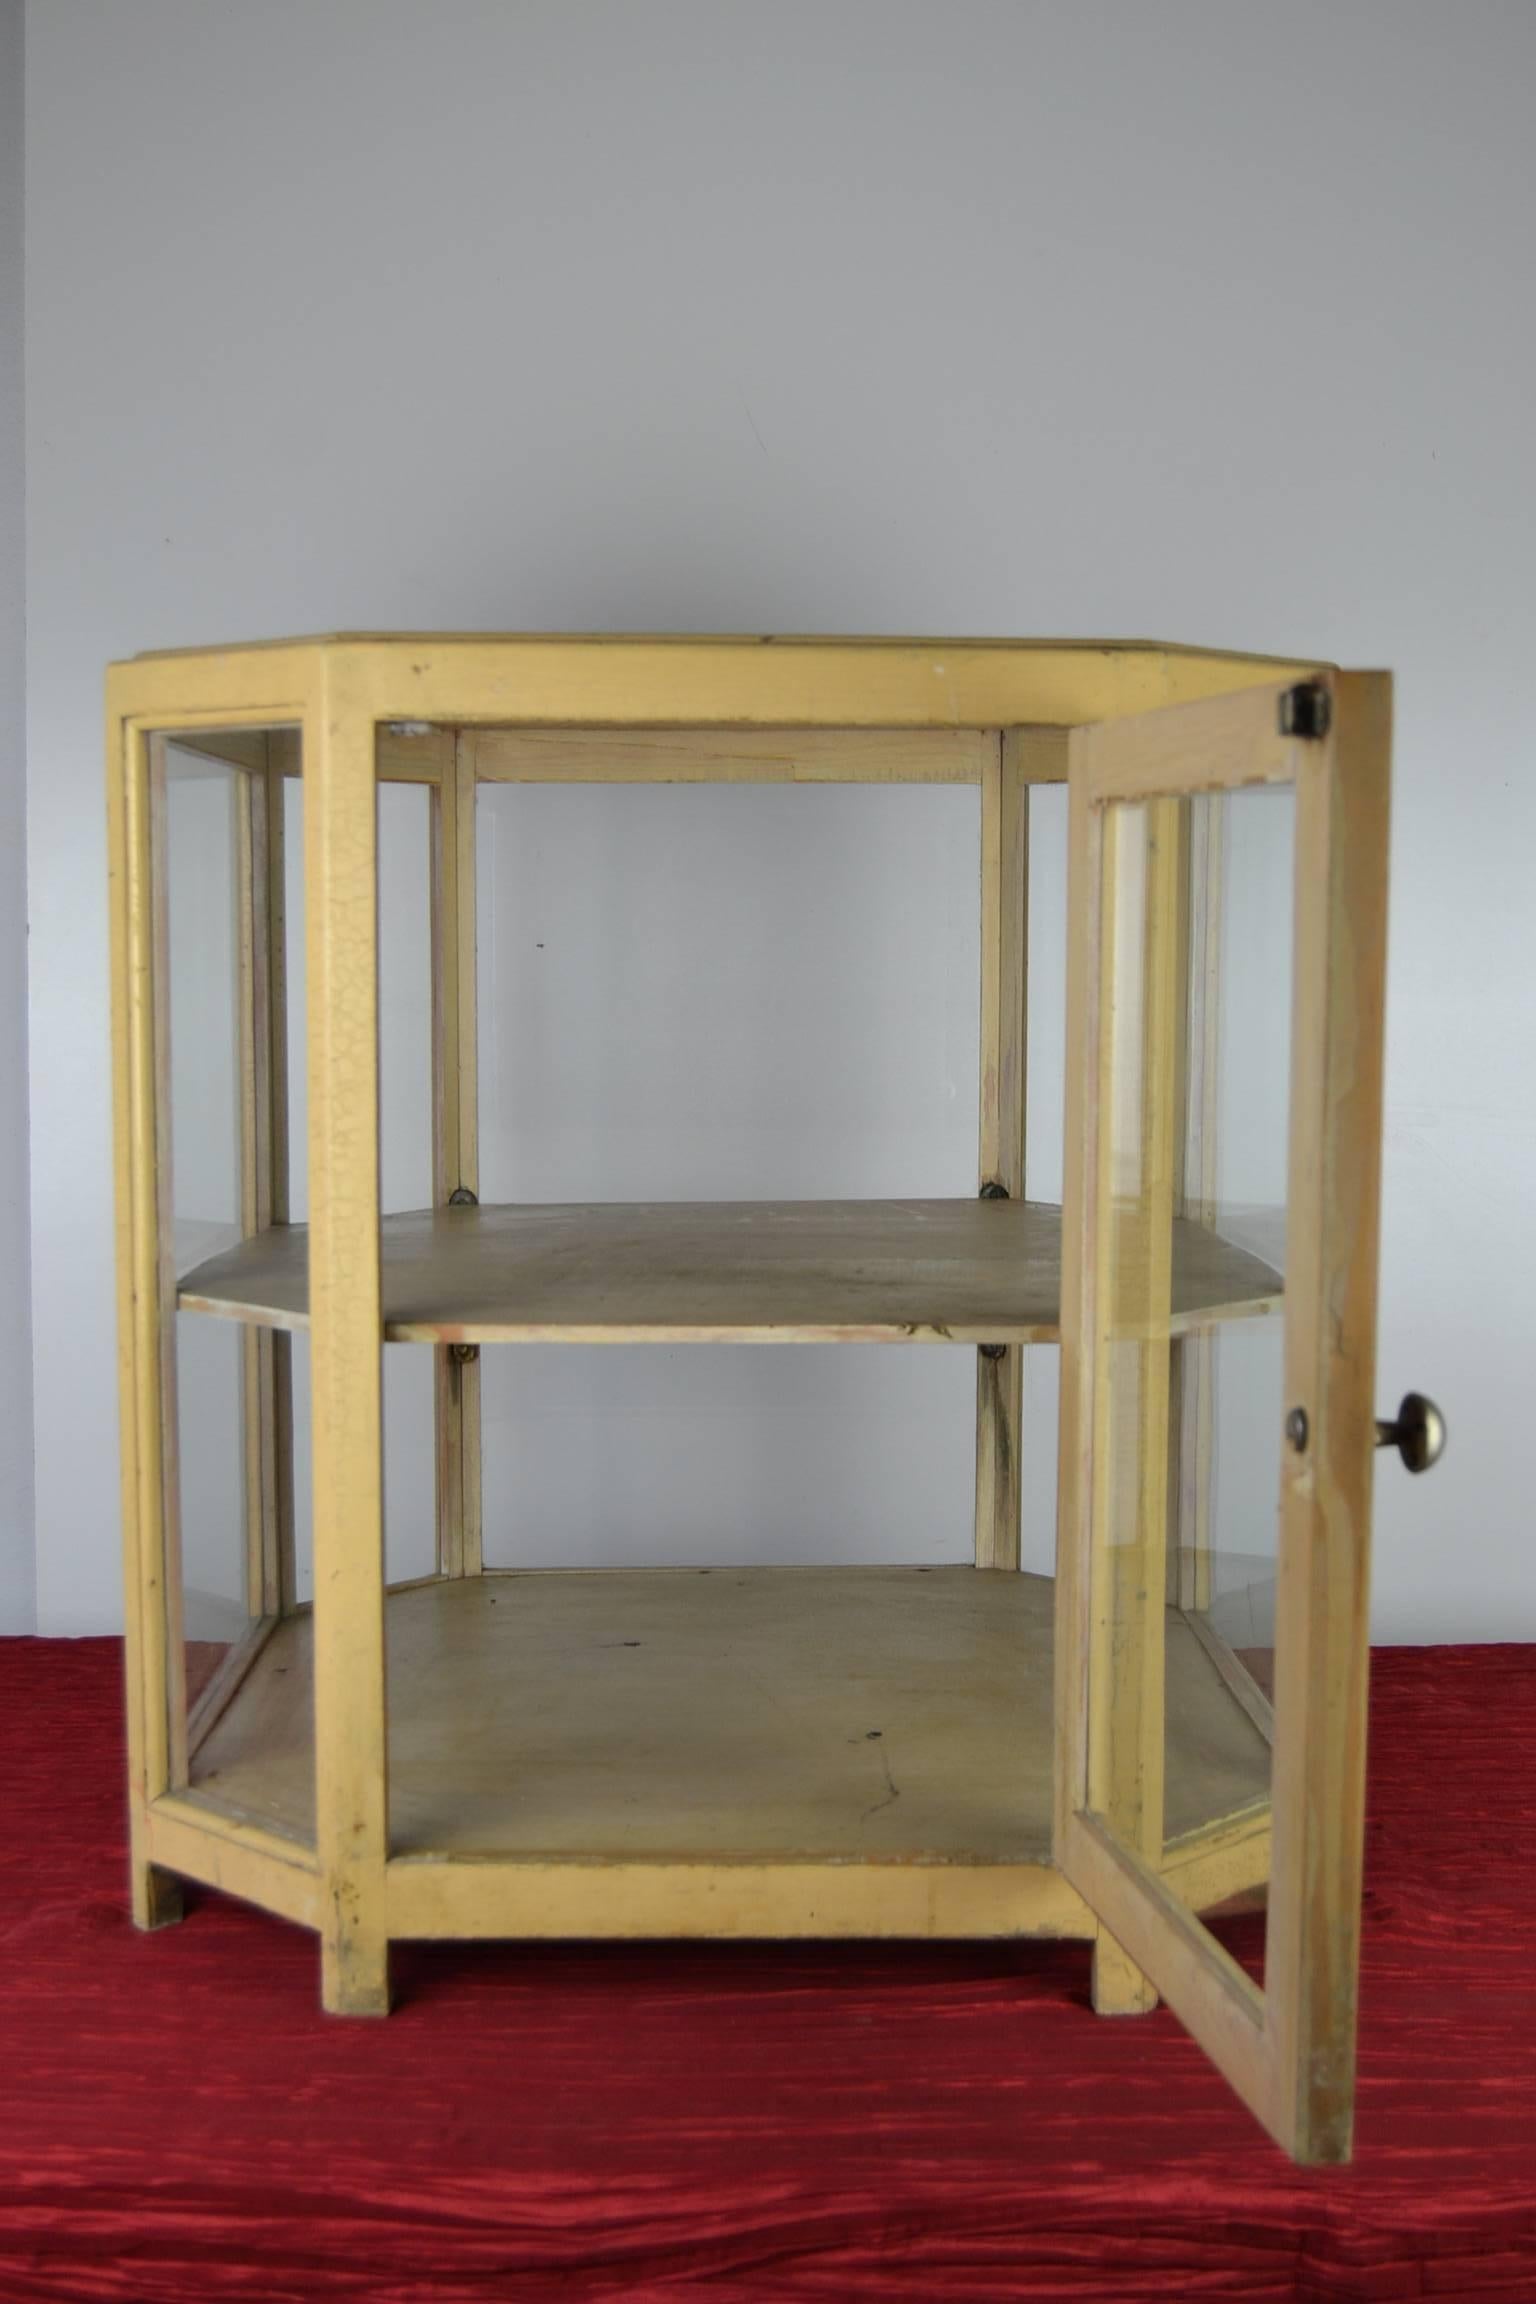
(179, 2124)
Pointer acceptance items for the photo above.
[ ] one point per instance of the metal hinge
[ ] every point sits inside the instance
(1306, 711)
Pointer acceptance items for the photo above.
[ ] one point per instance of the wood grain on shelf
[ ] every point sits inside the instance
(894, 1715)
(878, 1271)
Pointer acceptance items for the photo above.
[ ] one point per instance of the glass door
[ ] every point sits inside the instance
(1227, 919)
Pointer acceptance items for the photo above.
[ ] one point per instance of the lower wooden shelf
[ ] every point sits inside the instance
(743, 1271)
(864, 1719)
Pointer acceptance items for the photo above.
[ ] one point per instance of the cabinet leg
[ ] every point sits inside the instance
(1119, 1987)
(156, 1896)
(354, 1973)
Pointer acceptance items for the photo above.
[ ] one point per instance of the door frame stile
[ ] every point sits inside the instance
(1323, 1596)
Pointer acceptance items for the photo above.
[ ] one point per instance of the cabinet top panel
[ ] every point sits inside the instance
(550, 679)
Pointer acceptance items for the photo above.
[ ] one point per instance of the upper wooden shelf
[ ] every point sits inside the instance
(745, 1271)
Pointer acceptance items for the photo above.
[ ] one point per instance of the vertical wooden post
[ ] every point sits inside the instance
(346, 1333)
(1139, 1128)
(142, 1194)
(455, 1136)
(1004, 1034)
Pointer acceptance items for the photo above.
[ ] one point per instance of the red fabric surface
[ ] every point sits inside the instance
(178, 2122)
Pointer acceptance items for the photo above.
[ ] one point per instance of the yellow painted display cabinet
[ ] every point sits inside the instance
(1174, 1721)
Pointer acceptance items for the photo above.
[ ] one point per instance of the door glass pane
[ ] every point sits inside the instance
(1193, 1080)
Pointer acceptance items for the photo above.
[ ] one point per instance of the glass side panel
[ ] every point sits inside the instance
(202, 837)
(215, 1608)
(218, 1607)
(405, 1000)
(218, 820)
(405, 1161)
(1193, 1085)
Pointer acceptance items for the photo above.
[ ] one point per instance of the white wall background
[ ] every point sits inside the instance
(1211, 320)
(16, 1552)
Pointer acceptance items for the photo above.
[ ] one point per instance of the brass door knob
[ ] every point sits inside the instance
(1417, 1432)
